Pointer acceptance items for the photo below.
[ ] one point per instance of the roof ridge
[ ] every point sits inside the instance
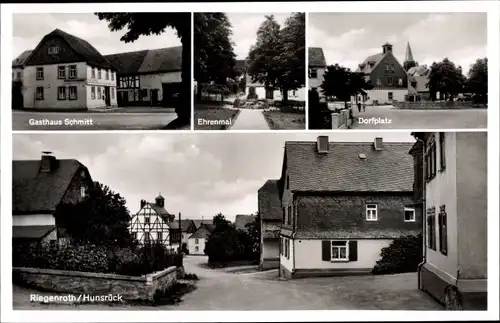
(143, 50)
(349, 142)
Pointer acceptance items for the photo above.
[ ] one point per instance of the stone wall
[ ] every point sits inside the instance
(435, 105)
(75, 282)
(340, 119)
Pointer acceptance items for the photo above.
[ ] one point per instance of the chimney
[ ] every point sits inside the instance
(386, 48)
(171, 218)
(378, 144)
(48, 162)
(180, 232)
(323, 145)
(143, 204)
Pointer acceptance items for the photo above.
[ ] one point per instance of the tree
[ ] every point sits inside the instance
(341, 83)
(477, 82)
(277, 59)
(409, 64)
(214, 57)
(100, 218)
(254, 231)
(155, 23)
(445, 78)
(221, 223)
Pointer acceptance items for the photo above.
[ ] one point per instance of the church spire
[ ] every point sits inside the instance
(409, 54)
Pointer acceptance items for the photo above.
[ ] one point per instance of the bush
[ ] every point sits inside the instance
(130, 261)
(229, 245)
(403, 255)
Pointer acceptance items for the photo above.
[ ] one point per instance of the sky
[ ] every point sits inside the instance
(348, 38)
(29, 29)
(199, 175)
(245, 26)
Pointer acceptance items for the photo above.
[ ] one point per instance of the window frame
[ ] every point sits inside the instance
(59, 97)
(442, 151)
(313, 72)
(147, 220)
(390, 81)
(69, 93)
(159, 236)
(99, 74)
(39, 97)
(63, 69)
(196, 241)
(92, 92)
(40, 74)
(99, 96)
(443, 230)
(346, 247)
(431, 229)
(406, 209)
(74, 69)
(83, 191)
(53, 50)
(368, 208)
(92, 73)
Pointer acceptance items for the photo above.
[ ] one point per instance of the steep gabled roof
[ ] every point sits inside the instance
(203, 232)
(160, 210)
(40, 192)
(269, 200)
(184, 224)
(316, 57)
(198, 223)
(147, 61)
(83, 48)
(34, 232)
(21, 59)
(242, 220)
(371, 62)
(342, 169)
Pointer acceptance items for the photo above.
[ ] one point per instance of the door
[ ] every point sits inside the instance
(269, 94)
(123, 98)
(154, 96)
(107, 96)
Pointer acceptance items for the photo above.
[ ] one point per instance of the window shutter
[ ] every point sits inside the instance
(289, 242)
(353, 251)
(281, 245)
(326, 250)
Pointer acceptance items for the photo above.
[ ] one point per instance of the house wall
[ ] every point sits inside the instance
(154, 81)
(271, 248)
(284, 261)
(380, 73)
(471, 178)
(93, 80)
(442, 190)
(317, 81)
(287, 200)
(33, 219)
(300, 94)
(74, 192)
(308, 255)
(382, 95)
(192, 246)
(17, 73)
(156, 224)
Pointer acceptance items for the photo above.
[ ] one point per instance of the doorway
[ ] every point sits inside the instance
(107, 98)
(154, 96)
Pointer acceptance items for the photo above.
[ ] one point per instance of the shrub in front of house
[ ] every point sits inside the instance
(403, 255)
(228, 246)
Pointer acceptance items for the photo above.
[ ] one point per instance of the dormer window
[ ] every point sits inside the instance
(61, 72)
(53, 50)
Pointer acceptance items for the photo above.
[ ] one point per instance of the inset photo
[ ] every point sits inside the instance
(249, 71)
(397, 70)
(101, 71)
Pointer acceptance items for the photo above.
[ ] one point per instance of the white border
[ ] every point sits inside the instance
(491, 7)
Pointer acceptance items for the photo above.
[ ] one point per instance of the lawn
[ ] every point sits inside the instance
(213, 117)
(278, 120)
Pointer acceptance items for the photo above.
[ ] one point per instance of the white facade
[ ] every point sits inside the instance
(154, 82)
(385, 96)
(297, 95)
(315, 82)
(33, 219)
(67, 86)
(147, 225)
(196, 246)
(17, 74)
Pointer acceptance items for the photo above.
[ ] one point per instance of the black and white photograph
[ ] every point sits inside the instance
(253, 228)
(101, 71)
(397, 70)
(249, 71)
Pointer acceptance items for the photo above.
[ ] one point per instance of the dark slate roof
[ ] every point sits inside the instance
(198, 223)
(31, 231)
(354, 233)
(374, 59)
(35, 191)
(269, 200)
(184, 224)
(21, 59)
(342, 170)
(242, 220)
(159, 209)
(203, 232)
(148, 61)
(81, 47)
(316, 57)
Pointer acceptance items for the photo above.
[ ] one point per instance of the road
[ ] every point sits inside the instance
(224, 289)
(422, 119)
(23, 120)
(250, 119)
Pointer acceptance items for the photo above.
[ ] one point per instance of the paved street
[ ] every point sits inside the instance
(250, 119)
(247, 289)
(115, 120)
(422, 119)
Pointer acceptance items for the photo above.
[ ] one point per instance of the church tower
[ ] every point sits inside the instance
(409, 61)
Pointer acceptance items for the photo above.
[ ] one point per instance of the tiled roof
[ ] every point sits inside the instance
(160, 210)
(31, 231)
(342, 169)
(184, 224)
(371, 62)
(81, 47)
(203, 232)
(198, 223)
(316, 57)
(35, 191)
(269, 200)
(21, 59)
(242, 220)
(355, 233)
(148, 61)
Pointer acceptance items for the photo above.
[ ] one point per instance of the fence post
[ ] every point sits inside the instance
(335, 120)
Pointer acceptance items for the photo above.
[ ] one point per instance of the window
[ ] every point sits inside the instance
(72, 92)
(99, 73)
(294, 205)
(430, 159)
(18, 75)
(98, 92)
(82, 191)
(390, 96)
(288, 182)
(371, 212)
(134, 235)
(112, 76)
(196, 241)
(196, 248)
(146, 219)
(112, 92)
(443, 231)
(392, 67)
(93, 72)
(340, 250)
(379, 82)
(61, 72)
(400, 81)
(159, 236)
(53, 244)
(314, 73)
(39, 93)
(284, 214)
(92, 93)
(289, 214)
(386, 67)
(61, 93)
(442, 155)
(389, 80)
(409, 214)
(72, 72)
(39, 73)
(431, 229)
(107, 75)
(147, 238)
(53, 50)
